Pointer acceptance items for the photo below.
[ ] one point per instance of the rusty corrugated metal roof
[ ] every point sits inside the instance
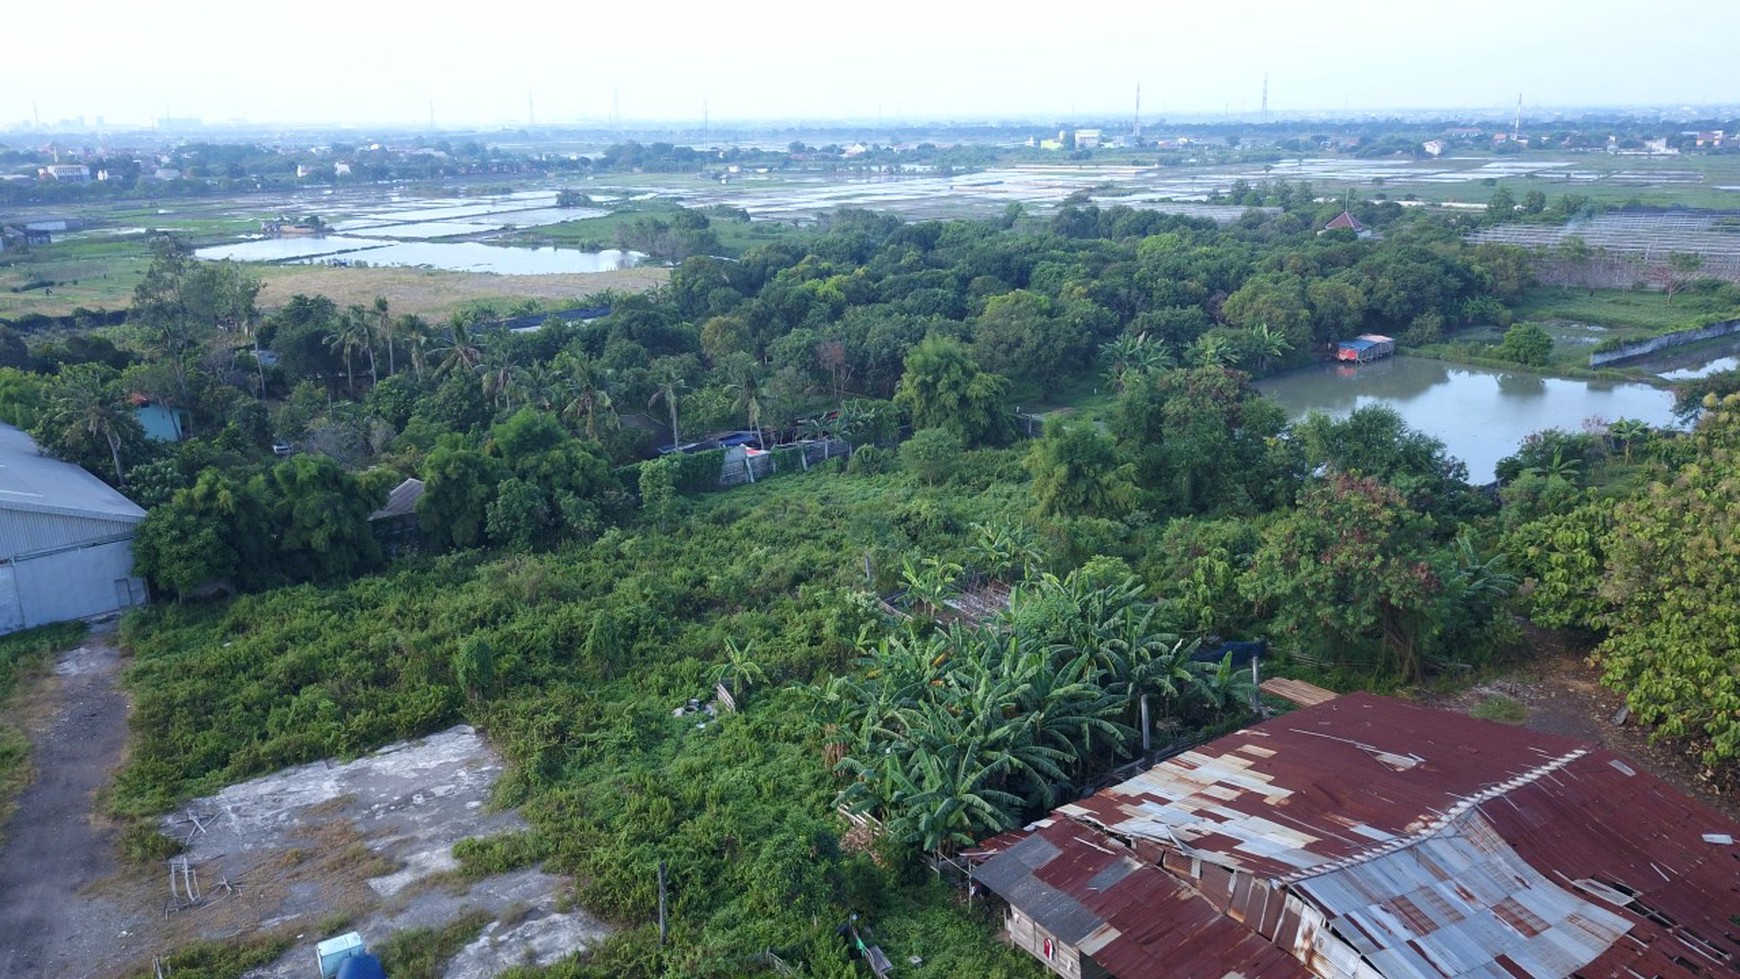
(1436, 844)
(1461, 902)
(1135, 920)
(1324, 784)
(1632, 842)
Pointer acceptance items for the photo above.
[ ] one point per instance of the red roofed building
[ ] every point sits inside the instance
(1368, 838)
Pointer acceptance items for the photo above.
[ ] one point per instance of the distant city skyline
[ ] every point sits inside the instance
(394, 64)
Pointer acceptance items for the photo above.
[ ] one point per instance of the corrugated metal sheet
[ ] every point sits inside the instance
(402, 501)
(1321, 785)
(1134, 920)
(1457, 902)
(1617, 834)
(34, 483)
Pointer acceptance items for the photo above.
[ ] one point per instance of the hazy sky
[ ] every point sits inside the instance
(384, 61)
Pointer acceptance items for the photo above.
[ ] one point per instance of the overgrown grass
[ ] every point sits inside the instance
(594, 647)
(1624, 313)
(228, 959)
(422, 953)
(1502, 709)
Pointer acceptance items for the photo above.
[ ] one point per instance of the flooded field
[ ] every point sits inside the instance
(461, 256)
(1482, 415)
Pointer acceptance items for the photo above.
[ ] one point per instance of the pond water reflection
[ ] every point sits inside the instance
(1481, 414)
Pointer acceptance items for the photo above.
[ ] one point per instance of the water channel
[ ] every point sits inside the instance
(1481, 414)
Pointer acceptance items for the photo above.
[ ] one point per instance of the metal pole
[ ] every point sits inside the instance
(1147, 729)
(662, 931)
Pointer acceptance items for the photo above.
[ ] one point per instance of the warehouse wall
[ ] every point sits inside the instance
(69, 584)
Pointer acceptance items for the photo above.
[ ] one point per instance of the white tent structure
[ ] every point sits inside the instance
(66, 540)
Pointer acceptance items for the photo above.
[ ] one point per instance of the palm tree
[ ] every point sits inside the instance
(669, 378)
(748, 390)
(498, 375)
(366, 329)
(587, 391)
(414, 330)
(384, 330)
(351, 332)
(461, 352)
(83, 401)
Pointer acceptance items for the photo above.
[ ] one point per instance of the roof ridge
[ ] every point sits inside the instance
(1438, 823)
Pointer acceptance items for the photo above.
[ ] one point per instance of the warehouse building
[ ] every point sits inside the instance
(66, 540)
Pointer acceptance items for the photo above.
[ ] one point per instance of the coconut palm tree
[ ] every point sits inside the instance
(461, 352)
(384, 331)
(415, 332)
(669, 378)
(587, 391)
(350, 332)
(748, 390)
(82, 400)
(1132, 357)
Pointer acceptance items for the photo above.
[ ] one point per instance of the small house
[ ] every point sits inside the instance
(1365, 348)
(395, 524)
(1345, 221)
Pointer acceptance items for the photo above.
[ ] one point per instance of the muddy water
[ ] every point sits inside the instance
(1482, 415)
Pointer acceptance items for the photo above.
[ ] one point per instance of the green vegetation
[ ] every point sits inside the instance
(567, 589)
(1504, 710)
(422, 953)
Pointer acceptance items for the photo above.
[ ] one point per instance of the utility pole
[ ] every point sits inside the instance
(1516, 129)
(1138, 128)
(531, 113)
(1265, 95)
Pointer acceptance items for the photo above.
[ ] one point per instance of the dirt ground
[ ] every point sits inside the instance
(1563, 695)
(327, 847)
(436, 294)
(56, 847)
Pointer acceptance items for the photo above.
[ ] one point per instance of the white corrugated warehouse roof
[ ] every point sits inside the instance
(31, 481)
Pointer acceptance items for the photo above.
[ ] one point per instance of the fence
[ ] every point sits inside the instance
(1678, 338)
(742, 466)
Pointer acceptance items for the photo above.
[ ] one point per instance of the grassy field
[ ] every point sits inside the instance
(1622, 312)
(98, 274)
(735, 237)
(437, 294)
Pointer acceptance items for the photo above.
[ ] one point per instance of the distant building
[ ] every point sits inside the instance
(1368, 838)
(66, 540)
(1434, 147)
(66, 173)
(1345, 221)
(1365, 348)
(1087, 139)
